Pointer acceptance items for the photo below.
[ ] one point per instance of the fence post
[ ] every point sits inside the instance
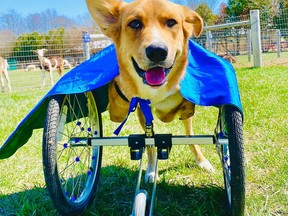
(209, 40)
(256, 38)
(86, 48)
(278, 35)
(249, 48)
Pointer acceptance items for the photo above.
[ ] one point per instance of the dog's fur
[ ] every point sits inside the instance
(49, 64)
(4, 70)
(151, 35)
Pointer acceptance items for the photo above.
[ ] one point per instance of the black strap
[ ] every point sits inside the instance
(120, 92)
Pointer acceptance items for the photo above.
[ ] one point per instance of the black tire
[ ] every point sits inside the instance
(232, 158)
(71, 166)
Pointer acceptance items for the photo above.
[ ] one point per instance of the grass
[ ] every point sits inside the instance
(268, 59)
(22, 80)
(183, 188)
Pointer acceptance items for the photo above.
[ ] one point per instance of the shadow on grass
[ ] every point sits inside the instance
(115, 197)
(27, 202)
(117, 188)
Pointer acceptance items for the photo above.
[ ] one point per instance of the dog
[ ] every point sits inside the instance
(49, 64)
(151, 41)
(4, 70)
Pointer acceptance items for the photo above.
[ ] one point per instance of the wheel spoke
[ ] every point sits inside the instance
(77, 164)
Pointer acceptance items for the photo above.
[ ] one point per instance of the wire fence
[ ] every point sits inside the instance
(24, 66)
(235, 40)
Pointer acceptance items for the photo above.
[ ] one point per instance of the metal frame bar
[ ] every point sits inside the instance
(176, 140)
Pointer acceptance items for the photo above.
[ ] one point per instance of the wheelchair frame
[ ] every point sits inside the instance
(73, 128)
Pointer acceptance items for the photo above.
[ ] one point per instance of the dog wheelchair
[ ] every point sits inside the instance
(72, 153)
(73, 134)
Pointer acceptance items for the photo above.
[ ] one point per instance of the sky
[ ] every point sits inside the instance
(69, 8)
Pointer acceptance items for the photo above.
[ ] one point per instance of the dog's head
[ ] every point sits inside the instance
(151, 37)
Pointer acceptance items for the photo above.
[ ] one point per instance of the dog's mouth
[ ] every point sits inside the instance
(155, 76)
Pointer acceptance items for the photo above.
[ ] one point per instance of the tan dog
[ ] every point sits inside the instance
(151, 40)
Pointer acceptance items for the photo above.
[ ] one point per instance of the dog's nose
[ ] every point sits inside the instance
(157, 53)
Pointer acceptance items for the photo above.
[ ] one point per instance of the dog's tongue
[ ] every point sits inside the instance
(155, 76)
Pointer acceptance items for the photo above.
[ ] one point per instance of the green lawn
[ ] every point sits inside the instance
(23, 80)
(268, 59)
(183, 188)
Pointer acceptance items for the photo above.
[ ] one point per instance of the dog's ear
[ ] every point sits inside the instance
(106, 14)
(193, 23)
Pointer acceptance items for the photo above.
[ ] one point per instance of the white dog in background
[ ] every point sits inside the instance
(4, 70)
(49, 64)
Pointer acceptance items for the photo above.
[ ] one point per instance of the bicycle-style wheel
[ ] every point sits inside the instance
(232, 159)
(71, 165)
(140, 204)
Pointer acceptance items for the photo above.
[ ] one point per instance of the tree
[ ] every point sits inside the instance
(206, 13)
(86, 21)
(238, 7)
(35, 23)
(212, 4)
(221, 17)
(53, 41)
(40, 22)
(12, 21)
(53, 20)
(242, 7)
(280, 20)
(7, 41)
(25, 45)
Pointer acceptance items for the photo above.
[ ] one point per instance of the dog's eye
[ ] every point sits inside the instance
(171, 22)
(135, 24)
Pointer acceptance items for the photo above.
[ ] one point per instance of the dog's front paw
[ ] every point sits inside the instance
(206, 165)
(150, 177)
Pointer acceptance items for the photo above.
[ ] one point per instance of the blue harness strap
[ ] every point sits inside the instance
(146, 110)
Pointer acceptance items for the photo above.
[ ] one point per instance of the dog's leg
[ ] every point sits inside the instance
(150, 175)
(117, 107)
(198, 155)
